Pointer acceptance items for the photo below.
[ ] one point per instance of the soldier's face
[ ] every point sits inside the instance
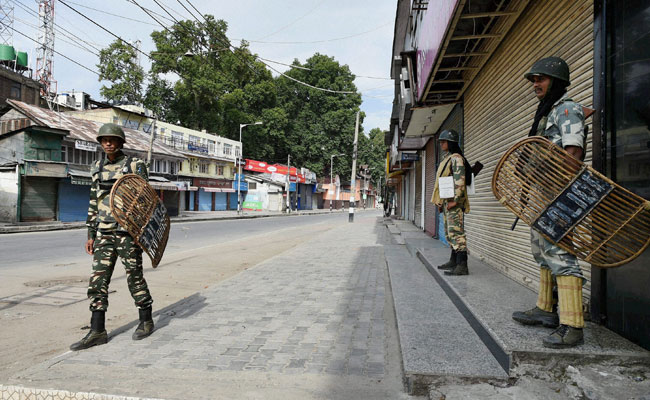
(541, 85)
(111, 145)
(444, 145)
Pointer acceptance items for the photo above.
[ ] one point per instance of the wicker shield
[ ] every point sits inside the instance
(571, 204)
(138, 209)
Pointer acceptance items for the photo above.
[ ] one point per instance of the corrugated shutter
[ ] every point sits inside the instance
(38, 199)
(499, 110)
(417, 211)
(73, 201)
(430, 180)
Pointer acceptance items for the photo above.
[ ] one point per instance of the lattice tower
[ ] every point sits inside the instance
(6, 22)
(45, 51)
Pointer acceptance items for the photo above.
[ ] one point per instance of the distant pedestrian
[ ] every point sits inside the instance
(560, 120)
(107, 240)
(454, 208)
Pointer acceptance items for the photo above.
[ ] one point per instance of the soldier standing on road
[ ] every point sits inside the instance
(454, 209)
(560, 120)
(107, 240)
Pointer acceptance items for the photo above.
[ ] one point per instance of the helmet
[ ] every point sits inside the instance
(449, 135)
(555, 67)
(111, 130)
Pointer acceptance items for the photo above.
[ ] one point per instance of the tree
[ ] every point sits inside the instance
(372, 152)
(118, 65)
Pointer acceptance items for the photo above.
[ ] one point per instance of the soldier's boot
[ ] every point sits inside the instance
(569, 333)
(145, 327)
(451, 264)
(543, 313)
(461, 265)
(97, 334)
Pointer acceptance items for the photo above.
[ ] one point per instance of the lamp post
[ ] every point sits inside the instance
(331, 169)
(241, 153)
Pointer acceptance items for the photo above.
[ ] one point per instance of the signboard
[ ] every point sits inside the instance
(252, 202)
(432, 32)
(572, 205)
(83, 145)
(53, 170)
(410, 156)
(214, 183)
(243, 187)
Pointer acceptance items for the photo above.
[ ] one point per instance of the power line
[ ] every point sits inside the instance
(56, 52)
(292, 22)
(186, 9)
(111, 33)
(320, 41)
(61, 39)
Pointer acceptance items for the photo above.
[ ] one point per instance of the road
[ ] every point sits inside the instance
(43, 306)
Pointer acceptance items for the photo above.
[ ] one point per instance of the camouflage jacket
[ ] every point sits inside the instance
(452, 165)
(104, 176)
(565, 124)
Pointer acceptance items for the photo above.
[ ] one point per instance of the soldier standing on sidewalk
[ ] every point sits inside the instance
(454, 209)
(561, 121)
(107, 240)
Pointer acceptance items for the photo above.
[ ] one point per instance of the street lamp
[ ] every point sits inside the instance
(241, 153)
(331, 168)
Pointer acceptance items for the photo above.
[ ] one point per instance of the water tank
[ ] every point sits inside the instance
(7, 53)
(21, 60)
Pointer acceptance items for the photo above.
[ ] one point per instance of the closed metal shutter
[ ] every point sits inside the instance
(205, 200)
(73, 201)
(220, 201)
(39, 199)
(417, 209)
(430, 209)
(499, 110)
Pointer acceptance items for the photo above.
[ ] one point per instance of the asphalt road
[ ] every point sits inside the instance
(60, 248)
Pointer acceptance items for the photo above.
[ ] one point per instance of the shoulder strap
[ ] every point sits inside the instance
(129, 170)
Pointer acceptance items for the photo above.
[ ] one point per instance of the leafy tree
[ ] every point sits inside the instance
(118, 65)
(159, 97)
(372, 152)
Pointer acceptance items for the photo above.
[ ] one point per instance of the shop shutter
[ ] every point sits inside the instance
(205, 200)
(220, 201)
(499, 109)
(38, 199)
(73, 201)
(417, 210)
(430, 180)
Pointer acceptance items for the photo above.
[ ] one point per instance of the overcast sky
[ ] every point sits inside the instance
(357, 33)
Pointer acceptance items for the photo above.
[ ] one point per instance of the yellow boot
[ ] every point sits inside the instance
(569, 333)
(542, 313)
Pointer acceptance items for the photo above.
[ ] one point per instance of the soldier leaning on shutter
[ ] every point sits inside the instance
(107, 240)
(560, 120)
(454, 209)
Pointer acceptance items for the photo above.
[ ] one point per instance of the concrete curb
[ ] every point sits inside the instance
(20, 392)
(82, 225)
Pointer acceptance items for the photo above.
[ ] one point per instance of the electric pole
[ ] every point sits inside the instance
(353, 188)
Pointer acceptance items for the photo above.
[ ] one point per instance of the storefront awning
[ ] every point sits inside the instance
(425, 121)
(414, 143)
(164, 186)
(80, 177)
(218, 190)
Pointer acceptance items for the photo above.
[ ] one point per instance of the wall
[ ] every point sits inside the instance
(8, 195)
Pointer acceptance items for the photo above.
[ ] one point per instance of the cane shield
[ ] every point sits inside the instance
(138, 209)
(571, 204)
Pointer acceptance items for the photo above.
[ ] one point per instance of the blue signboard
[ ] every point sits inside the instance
(243, 187)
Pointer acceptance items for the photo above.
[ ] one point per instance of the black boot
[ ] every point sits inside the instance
(461, 265)
(451, 263)
(563, 337)
(145, 328)
(97, 334)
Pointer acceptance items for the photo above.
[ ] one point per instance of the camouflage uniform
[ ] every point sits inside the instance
(453, 165)
(564, 126)
(110, 239)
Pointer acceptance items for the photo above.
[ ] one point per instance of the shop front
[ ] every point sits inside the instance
(74, 194)
(39, 190)
(213, 194)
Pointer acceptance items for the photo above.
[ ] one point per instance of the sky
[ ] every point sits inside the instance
(356, 33)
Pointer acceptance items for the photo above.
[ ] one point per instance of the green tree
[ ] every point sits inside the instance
(372, 152)
(159, 97)
(118, 65)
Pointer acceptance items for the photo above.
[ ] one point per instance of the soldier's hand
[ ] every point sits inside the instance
(89, 246)
(451, 205)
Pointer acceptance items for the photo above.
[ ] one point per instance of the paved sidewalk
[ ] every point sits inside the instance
(185, 216)
(315, 322)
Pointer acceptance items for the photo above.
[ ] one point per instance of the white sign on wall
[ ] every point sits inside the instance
(83, 145)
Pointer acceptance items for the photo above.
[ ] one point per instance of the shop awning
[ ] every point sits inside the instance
(163, 186)
(80, 177)
(414, 143)
(425, 121)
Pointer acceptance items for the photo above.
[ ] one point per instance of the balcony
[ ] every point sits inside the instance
(196, 147)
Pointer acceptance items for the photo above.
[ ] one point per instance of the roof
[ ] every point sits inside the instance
(81, 129)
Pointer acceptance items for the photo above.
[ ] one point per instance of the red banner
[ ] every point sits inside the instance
(260, 166)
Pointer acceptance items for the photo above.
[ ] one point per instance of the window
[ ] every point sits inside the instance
(211, 146)
(173, 167)
(75, 156)
(252, 185)
(15, 92)
(227, 149)
(237, 151)
(195, 139)
(204, 167)
(219, 169)
(131, 124)
(157, 166)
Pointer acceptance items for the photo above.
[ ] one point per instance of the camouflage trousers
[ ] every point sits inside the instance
(550, 256)
(454, 227)
(107, 247)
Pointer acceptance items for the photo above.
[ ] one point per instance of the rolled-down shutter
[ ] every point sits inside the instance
(38, 199)
(499, 109)
(417, 209)
(430, 180)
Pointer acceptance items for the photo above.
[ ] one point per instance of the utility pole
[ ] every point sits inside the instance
(353, 187)
(151, 139)
(288, 186)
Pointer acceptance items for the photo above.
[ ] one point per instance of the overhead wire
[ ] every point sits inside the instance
(61, 39)
(112, 14)
(51, 48)
(292, 22)
(186, 9)
(319, 41)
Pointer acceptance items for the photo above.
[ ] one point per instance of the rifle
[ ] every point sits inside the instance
(587, 113)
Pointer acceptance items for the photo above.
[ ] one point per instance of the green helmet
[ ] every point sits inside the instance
(449, 135)
(555, 67)
(111, 130)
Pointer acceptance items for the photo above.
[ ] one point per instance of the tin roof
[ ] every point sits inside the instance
(82, 129)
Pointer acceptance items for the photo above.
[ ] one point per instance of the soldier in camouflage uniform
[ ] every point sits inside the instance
(560, 120)
(107, 240)
(454, 209)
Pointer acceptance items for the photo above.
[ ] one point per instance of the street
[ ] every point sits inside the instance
(44, 308)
